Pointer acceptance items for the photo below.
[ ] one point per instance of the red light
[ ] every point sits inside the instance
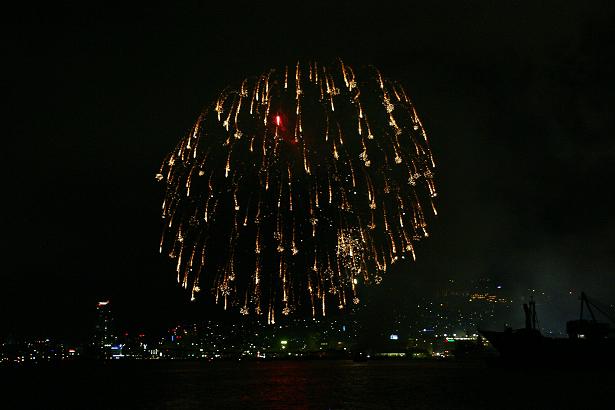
(278, 120)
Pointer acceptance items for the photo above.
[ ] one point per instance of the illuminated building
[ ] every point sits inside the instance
(104, 337)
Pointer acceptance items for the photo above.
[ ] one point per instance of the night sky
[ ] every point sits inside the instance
(517, 99)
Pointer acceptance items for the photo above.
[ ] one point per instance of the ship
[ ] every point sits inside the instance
(590, 342)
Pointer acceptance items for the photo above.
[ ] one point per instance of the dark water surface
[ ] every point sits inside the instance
(304, 385)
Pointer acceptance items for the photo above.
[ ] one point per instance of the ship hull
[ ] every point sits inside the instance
(531, 347)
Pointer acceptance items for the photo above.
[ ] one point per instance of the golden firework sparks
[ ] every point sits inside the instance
(283, 191)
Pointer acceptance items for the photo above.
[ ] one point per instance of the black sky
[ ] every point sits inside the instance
(517, 99)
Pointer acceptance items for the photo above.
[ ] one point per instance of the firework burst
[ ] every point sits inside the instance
(296, 187)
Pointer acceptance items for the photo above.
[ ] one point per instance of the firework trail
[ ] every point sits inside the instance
(297, 187)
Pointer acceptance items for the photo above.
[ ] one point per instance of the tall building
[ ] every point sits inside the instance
(104, 336)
